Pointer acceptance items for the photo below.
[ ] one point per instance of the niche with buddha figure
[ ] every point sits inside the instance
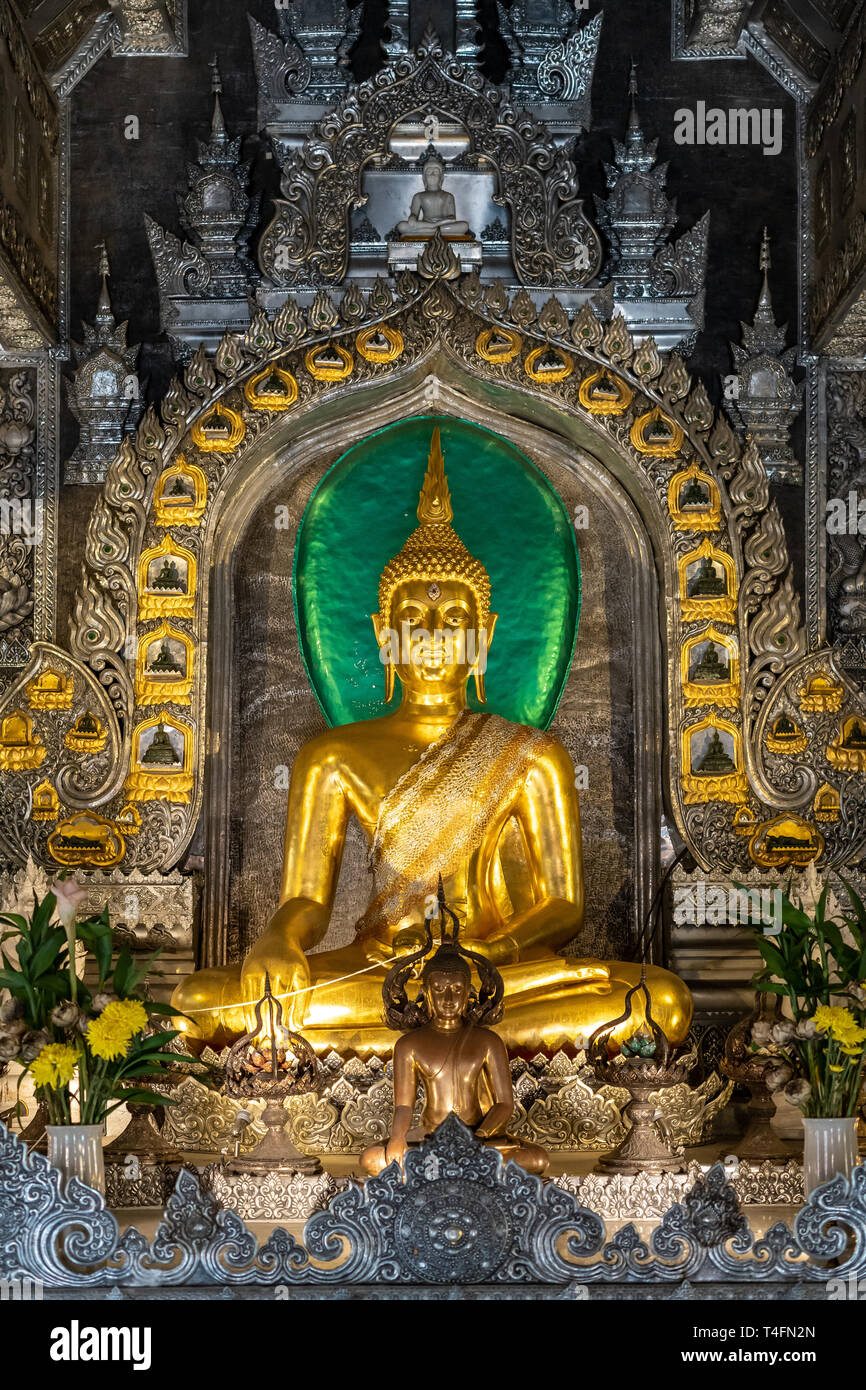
(708, 587)
(164, 666)
(166, 581)
(713, 767)
(181, 495)
(711, 669)
(161, 764)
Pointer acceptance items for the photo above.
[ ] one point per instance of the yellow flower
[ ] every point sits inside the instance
(840, 1024)
(54, 1066)
(130, 1011)
(110, 1034)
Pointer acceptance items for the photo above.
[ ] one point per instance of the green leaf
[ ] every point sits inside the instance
(97, 936)
(14, 919)
(48, 952)
(123, 967)
(140, 1096)
(43, 912)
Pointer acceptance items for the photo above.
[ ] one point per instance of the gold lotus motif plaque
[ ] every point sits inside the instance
(744, 821)
(86, 839)
(87, 735)
(21, 749)
(128, 820)
(712, 753)
(548, 364)
(848, 749)
(164, 666)
(603, 393)
(181, 495)
(710, 669)
(161, 760)
(273, 389)
(694, 500)
(785, 735)
(50, 690)
(166, 581)
(786, 842)
(821, 695)
(654, 433)
(827, 804)
(379, 343)
(497, 345)
(329, 362)
(708, 585)
(46, 803)
(219, 430)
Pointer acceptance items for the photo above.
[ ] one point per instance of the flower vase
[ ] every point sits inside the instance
(77, 1151)
(830, 1147)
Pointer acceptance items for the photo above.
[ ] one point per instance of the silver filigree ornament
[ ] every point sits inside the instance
(552, 240)
(458, 1215)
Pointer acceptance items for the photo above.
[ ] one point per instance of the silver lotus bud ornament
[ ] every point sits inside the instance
(782, 1033)
(761, 1032)
(797, 1091)
(65, 1015)
(777, 1077)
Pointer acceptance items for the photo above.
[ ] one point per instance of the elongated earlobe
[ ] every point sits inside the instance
(389, 682)
(479, 686)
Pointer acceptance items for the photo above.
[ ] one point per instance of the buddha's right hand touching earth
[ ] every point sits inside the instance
(278, 953)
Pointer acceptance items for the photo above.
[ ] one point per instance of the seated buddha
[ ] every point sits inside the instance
(434, 209)
(437, 789)
(461, 1067)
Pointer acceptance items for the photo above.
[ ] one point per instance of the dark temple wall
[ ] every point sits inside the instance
(115, 181)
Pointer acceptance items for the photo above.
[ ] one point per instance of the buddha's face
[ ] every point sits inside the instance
(433, 176)
(447, 994)
(432, 636)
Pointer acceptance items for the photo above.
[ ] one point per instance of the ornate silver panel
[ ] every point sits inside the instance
(457, 1216)
(552, 241)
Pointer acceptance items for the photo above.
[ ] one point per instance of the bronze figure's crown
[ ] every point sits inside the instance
(484, 1005)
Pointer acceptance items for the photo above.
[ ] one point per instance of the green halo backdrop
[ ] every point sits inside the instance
(505, 512)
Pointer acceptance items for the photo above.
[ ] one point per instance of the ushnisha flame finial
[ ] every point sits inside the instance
(434, 504)
(434, 552)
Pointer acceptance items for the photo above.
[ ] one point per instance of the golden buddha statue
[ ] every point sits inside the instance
(489, 805)
(461, 1067)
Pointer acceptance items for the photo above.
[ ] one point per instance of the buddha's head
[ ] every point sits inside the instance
(446, 981)
(434, 626)
(433, 174)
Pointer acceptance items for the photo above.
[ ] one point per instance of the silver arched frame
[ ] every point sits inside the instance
(438, 384)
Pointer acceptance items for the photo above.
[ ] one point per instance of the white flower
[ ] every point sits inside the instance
(782, 1033)
(66, 1015)
(797, 1091)
(761, 1032)
(70, 895)
(777, 1077)
(807, 1028)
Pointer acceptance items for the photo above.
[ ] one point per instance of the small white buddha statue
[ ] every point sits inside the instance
(433, 209)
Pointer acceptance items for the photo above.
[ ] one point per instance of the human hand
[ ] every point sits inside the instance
(499, 950)
(395, 1151)
(278, 957)
(408, 941)
(593, 974)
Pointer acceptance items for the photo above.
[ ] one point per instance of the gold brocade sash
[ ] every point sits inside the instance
(436, 816)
